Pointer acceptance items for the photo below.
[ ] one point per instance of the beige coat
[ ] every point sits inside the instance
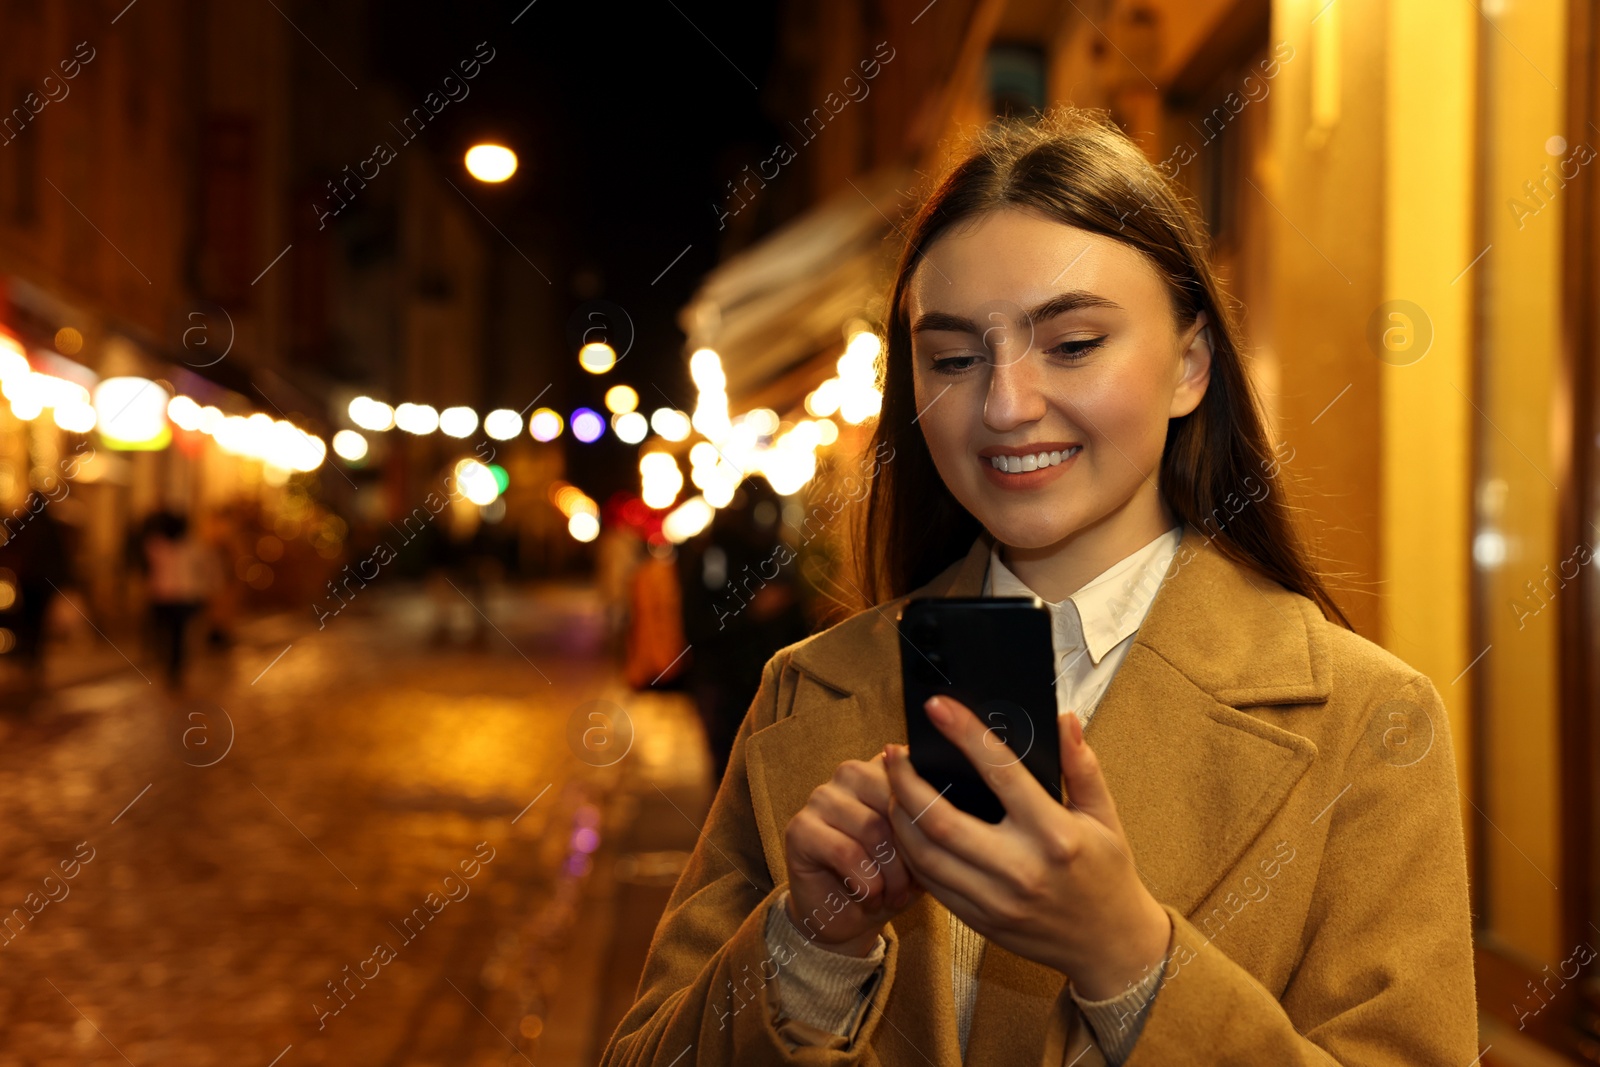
(1289, 793)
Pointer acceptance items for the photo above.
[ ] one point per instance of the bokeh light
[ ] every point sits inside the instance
(477, 482)
(631, 427)
(458, 421)
(587, 425)
(621, 399)
(350, 446)
(545, 425)
(491, 163)
(597, 357)
(416, 418)
(370, 414)
(502, 424)
(671, 424)
(131, 410)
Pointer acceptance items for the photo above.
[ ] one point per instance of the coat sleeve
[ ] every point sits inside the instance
(1385, 976)
(709, 985)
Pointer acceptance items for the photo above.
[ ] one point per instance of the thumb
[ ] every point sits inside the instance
(1080, 769)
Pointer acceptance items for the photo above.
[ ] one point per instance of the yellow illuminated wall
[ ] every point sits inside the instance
(1525, 151)
(1426, 378)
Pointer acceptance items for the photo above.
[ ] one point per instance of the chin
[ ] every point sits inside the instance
(1029, 527)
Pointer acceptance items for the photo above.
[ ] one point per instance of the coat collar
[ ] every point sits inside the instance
(1196, 778)
(1110, 607)
(1267, 651)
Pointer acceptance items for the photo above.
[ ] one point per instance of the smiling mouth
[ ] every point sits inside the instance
(1037, 461)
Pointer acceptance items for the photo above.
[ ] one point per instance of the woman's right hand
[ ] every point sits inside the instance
(847, 879)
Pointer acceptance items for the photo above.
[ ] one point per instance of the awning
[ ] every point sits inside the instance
(771, 307)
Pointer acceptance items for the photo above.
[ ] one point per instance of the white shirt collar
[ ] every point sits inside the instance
(1113, 604)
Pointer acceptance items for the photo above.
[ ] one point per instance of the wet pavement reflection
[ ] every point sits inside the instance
(356, 845)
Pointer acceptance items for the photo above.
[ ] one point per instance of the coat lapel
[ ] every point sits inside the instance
(1195, 778)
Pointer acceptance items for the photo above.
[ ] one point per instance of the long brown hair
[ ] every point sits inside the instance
(1077, 167)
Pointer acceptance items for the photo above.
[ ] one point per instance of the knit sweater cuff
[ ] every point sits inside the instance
(1117, 1021)
(817, 986)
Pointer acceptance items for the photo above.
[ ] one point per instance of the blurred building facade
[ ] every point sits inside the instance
(1400, 196)
(179, 203)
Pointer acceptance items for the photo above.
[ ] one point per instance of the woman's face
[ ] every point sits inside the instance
(1032, 338)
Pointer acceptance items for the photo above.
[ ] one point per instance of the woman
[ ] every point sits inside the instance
(1261, 860)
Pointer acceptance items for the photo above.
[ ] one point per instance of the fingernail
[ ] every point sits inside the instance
(936, 711)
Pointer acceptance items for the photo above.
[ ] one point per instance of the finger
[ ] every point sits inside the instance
(845, 810)
(1087, 791)
(942, 841)
(868, 780)
(986, 748)
(899, 884)
(940, 871)
(872, 831)
(827, 848)
(962, 907)
(936, 818)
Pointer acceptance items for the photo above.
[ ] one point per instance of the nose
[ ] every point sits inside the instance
(1015, 394)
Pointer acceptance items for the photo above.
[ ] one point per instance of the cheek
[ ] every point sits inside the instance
(1124, 417)
(944, 432)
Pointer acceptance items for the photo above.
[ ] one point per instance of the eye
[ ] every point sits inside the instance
(954, 364)
(1071, 350)
(1067, 350)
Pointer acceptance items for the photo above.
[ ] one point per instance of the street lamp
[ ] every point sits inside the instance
(491, 162)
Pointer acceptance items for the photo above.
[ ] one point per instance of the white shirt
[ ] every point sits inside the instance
(1091, 632)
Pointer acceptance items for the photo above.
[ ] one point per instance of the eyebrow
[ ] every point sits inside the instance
(1073, 300)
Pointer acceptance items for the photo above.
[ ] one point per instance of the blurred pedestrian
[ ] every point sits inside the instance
(741, 604)
(183, 572)
(617, 552)
(35, 552)
(655, 646)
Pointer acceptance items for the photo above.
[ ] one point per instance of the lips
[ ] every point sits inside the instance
(1031, 461)
(1029, 467)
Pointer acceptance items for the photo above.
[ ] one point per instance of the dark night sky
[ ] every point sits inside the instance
(623, 115)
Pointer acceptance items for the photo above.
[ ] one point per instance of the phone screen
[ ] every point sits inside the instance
(994, 655)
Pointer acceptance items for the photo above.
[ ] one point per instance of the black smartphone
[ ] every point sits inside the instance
(994, 655)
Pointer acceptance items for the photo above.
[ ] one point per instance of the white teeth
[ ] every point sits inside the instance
(1019, 464)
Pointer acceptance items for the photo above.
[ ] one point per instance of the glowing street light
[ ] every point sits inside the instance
(671, 424)
(458, 421)
(502, 424)
(583, 526)
(478, 483)
(184, 413)
(491, 162)
(587, 426)
(416, 418)
(597, 357)
(545, 425)
(132, 413)
(621, 399)
(631, 427)
(350, 446)
(370, 414)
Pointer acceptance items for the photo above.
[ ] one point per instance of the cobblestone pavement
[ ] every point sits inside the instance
(346, 846)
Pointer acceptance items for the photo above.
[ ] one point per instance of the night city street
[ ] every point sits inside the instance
(862, 533)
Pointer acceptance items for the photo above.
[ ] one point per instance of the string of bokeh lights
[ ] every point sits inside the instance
(137, 414)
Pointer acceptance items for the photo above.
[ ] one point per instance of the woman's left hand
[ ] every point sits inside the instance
(1053, 883)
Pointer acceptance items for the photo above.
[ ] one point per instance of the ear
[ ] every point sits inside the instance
(1194, 367)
